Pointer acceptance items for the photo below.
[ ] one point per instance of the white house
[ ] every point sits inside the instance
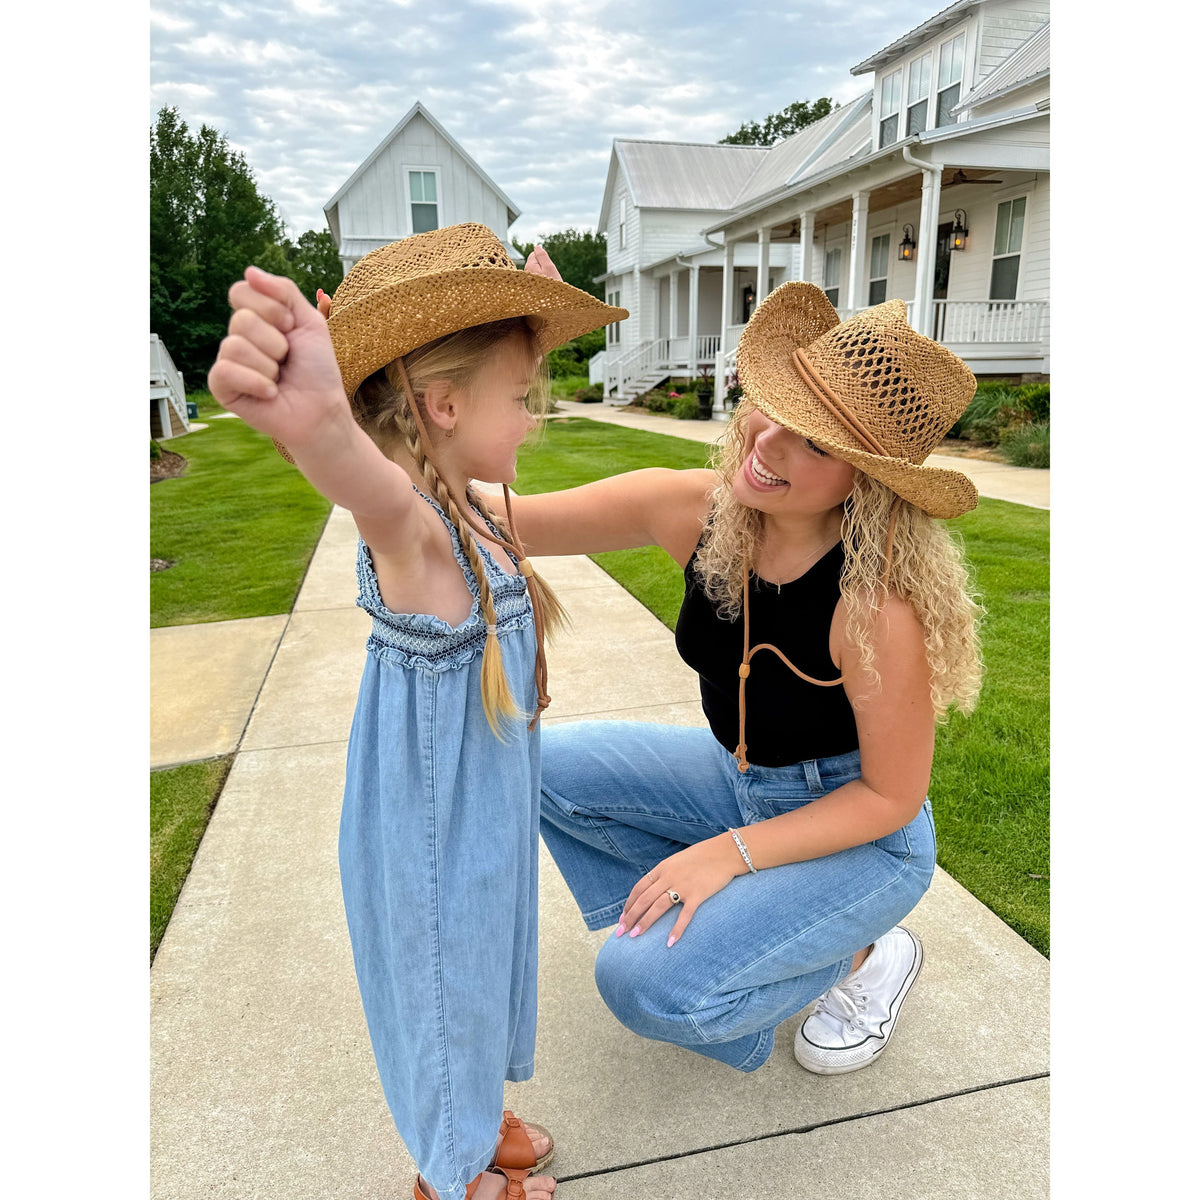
(932, 186)
(418, 178)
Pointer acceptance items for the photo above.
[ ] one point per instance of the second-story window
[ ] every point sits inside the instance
(422, 190)
(621, 238)
(877, 289)
(889, 109)
(833, 274)
(918, 94)
(950, 75)
(1006, 250)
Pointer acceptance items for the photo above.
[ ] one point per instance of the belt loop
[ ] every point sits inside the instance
(812, 776)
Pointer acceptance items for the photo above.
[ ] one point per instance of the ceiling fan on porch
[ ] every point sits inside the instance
(960, 177)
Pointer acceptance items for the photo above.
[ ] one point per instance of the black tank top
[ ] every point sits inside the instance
(787, 719)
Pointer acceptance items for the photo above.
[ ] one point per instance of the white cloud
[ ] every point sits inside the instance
(534, 90)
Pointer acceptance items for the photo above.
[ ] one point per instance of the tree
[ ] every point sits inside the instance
(777, 126)
(312, 261)
(208, 222)
(579, 257)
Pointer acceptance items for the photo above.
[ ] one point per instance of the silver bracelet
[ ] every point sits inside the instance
(742, 850)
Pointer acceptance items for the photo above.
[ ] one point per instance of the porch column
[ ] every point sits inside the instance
(724, 350)
(806, 247)
(931, 202)
(764, 265)
(693, 319)
(673, 327)
(858, 247)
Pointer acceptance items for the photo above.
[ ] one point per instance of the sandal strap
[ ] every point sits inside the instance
(516, 1150)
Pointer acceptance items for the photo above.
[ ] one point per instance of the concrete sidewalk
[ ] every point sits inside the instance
(263, 1081)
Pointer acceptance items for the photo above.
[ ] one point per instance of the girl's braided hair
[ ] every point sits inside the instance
(381, 407)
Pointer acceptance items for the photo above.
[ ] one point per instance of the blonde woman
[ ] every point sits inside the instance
(785, 843)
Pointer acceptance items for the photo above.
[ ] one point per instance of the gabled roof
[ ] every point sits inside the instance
(786, 161)
(914, 37)
(697, 175)
(418, 107)
(1029, 61)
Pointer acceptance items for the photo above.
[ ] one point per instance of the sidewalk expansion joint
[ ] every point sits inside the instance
(801, 1129)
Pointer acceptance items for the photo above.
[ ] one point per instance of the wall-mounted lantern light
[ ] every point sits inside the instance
(907, 246)
(958, 235)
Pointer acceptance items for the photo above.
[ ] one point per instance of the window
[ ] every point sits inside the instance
(833, 274)
(621, 239)
(950, 74)
(614, 330)
(877, 291)
(1006, 263)
(918, 94)
(889, 109)
(422, 191)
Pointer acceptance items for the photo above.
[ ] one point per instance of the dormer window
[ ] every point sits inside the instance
(919, 73)
(889, 109)
(950, 75)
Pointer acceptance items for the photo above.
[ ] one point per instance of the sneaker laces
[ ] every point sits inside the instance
(844, 1002)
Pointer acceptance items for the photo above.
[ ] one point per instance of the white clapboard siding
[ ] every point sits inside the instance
(373, 207)
(1004, 26)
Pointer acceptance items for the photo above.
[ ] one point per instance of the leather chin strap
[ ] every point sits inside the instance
(837, 408)
(515, 547)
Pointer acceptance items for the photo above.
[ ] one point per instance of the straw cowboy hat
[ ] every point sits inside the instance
(868, 390)
(410, 292)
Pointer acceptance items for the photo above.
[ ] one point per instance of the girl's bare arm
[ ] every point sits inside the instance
(278, 372)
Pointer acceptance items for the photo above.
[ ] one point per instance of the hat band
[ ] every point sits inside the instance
(835, 404)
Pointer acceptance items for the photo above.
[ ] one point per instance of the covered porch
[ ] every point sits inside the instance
(955, 223)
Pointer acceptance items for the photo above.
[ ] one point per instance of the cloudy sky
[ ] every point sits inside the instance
(534, 90)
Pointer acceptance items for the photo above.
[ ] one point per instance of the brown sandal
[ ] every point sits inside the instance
(512, 1159)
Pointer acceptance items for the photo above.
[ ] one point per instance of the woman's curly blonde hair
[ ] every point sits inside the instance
(928, 569)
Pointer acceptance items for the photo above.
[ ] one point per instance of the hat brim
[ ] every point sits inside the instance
(789, 318)
(393, 320)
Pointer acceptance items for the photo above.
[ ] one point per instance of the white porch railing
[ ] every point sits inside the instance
(1022, 321)
(596, 367)
(621, 373)
(166, 385)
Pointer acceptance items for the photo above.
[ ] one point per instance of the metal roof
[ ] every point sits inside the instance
(685, 174)
(1029, 60)
(788, 159)
(901, 45)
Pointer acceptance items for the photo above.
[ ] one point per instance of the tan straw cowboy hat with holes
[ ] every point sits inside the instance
(868, 390)
(410, 292)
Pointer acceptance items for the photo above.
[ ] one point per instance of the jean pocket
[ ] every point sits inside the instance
(896, 844)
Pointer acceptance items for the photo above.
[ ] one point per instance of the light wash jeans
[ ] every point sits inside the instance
(619, 797)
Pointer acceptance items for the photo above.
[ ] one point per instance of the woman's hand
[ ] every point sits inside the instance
(538, 263)
(694, 874)
(277, 369)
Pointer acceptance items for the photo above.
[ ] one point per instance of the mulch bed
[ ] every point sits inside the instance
(167, 466)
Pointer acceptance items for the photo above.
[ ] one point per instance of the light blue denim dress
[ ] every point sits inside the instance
(438, 856)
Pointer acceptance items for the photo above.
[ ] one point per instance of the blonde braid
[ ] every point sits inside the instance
(498, 702)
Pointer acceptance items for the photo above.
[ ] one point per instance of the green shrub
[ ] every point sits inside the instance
(686, 407)
(1027, 445)
(1036, 398)
(566, 386)
(656, 400)
(571, 357)
(590, 394)
(155, 450)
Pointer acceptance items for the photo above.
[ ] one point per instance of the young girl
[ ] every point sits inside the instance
(436, 342)
(829, 618)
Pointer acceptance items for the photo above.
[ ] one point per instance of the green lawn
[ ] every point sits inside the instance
(991, 773)
(240, 524)
(181, 801)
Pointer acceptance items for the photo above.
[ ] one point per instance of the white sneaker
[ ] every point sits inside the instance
(854, 1020)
